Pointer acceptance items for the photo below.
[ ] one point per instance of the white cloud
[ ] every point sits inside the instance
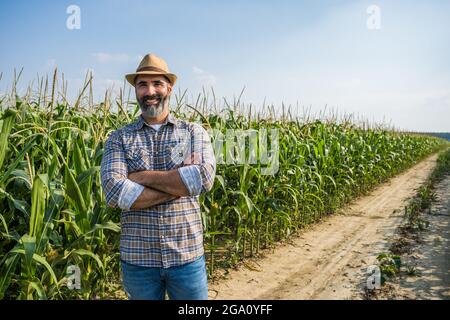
(205, 78)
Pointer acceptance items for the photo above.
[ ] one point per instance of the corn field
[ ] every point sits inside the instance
(53, 213)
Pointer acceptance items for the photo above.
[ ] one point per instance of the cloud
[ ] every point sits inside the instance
(104, 57)
(205, 78)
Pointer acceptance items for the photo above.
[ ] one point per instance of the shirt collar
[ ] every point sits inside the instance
(140, 122)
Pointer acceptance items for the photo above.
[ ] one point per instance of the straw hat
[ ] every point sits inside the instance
(152, 64)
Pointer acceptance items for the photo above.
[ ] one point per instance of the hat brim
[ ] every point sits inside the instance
(131, 78)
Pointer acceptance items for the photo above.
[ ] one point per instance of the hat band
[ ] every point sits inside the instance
(151, 69)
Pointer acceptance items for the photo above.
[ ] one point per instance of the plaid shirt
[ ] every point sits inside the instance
(171, 233)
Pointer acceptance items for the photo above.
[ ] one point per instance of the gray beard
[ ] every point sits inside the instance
(153, 111)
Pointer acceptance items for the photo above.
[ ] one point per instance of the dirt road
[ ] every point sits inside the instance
(330, 259)
(429, 255)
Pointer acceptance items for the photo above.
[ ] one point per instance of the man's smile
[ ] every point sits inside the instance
(152, 101)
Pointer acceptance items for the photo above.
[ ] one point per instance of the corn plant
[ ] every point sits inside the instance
(53, 212)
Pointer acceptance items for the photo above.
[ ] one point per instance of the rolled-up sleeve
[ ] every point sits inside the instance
(198, 177)
(119, 190)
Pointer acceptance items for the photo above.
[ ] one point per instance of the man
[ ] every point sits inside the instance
(155, 169)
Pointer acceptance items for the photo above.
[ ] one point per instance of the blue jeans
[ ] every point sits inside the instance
(186, 282)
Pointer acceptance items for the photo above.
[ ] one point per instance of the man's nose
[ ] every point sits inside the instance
(151, 90)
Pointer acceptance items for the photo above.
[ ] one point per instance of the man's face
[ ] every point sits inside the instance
(152, 94)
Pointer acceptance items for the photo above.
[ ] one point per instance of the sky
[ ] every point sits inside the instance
(380, 60)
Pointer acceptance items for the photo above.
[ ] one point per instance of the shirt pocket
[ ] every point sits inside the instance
(174, 155)
(139, 159)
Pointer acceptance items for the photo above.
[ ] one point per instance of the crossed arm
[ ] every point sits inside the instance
(159, 187)
(144, 189)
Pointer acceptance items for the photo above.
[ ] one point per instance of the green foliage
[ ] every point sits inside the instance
(390, 265)
(53, 212)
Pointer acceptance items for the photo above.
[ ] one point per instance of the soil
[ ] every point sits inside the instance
(330, 259)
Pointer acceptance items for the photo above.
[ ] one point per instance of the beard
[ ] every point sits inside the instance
(153, 110)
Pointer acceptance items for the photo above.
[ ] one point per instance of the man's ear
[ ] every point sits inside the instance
(169, 88)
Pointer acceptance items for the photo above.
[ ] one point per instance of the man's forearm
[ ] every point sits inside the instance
(164, 181)
(150, 197)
